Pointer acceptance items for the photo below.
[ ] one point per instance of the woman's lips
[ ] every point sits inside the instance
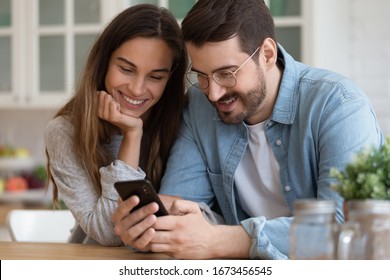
(133, 101)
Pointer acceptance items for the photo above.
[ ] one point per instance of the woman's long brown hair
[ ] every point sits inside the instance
(90, 132)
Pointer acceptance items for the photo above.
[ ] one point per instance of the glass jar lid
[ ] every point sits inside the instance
(369, 206)
(314, 206)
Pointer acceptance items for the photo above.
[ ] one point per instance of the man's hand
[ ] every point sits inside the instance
(167, 200)
(185, 234)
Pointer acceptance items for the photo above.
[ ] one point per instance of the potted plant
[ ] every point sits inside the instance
(367, 176)
(365, 185)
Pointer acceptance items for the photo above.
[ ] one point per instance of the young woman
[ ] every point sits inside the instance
(122, 120)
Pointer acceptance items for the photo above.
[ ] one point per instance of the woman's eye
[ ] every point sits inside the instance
(125, 70)
(157, 78)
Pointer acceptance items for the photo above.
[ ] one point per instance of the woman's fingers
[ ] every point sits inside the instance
(109, 109)
(135, 228)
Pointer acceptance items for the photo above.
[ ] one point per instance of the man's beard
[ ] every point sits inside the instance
(251, 102)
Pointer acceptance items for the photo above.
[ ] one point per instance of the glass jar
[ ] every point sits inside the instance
(314, 230)
(366, 233)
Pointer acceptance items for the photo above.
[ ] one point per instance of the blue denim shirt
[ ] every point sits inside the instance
(320, 120)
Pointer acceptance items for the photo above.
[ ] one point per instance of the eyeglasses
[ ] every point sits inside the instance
(224, 78)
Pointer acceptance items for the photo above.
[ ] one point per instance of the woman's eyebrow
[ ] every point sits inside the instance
(135, 66)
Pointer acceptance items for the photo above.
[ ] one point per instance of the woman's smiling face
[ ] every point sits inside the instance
(137, 74)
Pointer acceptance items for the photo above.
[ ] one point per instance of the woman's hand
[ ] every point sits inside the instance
(110, 111)
(135, 229)
(131, 128)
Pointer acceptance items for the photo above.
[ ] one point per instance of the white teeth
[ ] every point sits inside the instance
(132, 101)
(228, 101)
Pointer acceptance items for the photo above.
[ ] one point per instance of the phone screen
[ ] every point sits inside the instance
(144, 190)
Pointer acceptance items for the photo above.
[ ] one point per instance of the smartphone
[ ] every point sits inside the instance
(144, 190)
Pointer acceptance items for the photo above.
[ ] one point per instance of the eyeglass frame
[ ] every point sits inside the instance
(233, 73)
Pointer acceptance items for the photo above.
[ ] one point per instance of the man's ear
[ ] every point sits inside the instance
(269, 53)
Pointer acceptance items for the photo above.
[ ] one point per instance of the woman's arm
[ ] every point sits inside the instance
(93, 211)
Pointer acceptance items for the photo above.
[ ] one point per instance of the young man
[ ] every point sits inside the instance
(261, 131)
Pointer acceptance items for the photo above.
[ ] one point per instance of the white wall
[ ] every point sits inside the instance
(327, 27)
(352, 37)
(370, 51)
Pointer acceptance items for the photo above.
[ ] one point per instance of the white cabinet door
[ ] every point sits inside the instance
(8, 53)
(60, 33)
(43, 47)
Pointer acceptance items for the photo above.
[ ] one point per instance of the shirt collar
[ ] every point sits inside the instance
(286, 102)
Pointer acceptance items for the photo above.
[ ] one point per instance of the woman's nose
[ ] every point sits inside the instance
(137, 85)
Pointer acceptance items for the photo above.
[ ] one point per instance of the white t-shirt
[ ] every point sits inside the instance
(257, 178)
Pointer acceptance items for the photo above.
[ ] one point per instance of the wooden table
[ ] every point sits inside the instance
(66, 251)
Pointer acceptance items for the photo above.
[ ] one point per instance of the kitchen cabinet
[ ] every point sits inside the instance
(289, 21)
(43, 46)
(7, 31)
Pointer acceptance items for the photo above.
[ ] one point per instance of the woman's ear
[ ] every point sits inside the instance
(269, 53)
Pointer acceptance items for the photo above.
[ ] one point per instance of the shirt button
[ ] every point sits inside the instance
(287, 188)
(278, 142)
